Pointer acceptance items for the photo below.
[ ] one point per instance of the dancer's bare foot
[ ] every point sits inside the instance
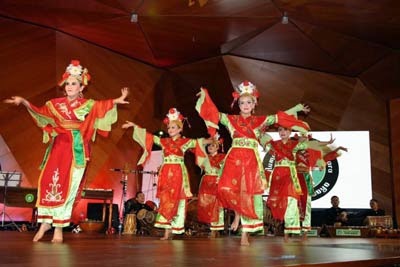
(167, 235)
(58, 235)
(213, 234)
(286, 238)
(235, 223)
(244, 241)
(44, 227)
(304, 237)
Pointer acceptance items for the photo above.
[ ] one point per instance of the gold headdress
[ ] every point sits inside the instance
(217, 140)
(245, 88)
(174, 115)
(74, 69)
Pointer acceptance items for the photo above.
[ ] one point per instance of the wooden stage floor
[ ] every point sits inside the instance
(83, 249)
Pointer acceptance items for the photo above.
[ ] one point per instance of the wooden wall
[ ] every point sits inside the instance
(395, 153)
(35, 59)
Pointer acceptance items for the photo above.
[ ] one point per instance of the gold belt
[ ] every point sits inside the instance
(245, 142)
(285, 163)
(71, 125)
(173, 160)
(212, 172)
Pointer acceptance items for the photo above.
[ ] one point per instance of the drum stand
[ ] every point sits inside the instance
(124, 182)
(3, 214)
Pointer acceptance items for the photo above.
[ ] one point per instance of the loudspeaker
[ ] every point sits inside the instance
(95, 212)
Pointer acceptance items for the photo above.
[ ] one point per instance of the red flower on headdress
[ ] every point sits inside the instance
(256, 94)
(235, 95)
(75, 62)
(65, 75)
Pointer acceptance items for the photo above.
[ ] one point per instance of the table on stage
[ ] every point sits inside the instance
(107, 195)
(25, 197)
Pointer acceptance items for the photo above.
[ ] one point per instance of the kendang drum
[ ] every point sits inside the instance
(151, 204)
(146, 217)
(130, 224)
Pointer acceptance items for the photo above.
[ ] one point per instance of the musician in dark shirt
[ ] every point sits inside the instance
(375, 210)
(336, 215)
(134, 205)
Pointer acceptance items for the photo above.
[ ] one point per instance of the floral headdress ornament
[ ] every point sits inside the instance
(74, 69)
(245, 88)
(175, 115)
(216, 139)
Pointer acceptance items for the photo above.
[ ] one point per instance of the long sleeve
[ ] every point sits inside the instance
(101, 116)
(44, 119)
(208, 111)
(145, 140)
(201, 155)
(291, 122)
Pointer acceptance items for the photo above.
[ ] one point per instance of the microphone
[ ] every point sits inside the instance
(115, 170)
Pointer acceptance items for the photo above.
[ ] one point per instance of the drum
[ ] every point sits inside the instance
(146, 217)
(151, 204)
(130, 224)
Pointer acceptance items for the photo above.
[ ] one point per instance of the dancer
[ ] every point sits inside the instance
(285, 189)
(209, 208)
(69, 123)
(303, 168)
(173, 180)
(315, 156)
(242, 180)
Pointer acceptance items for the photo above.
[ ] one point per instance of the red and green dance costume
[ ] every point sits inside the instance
(173, 180)
(69, 126)
(242, 179)
(209, 208)
(285, 189)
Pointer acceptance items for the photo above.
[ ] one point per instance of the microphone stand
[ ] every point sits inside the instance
(7, 177)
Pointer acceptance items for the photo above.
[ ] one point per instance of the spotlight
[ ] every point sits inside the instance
(285, 18)
(160, 133)
(134, 18)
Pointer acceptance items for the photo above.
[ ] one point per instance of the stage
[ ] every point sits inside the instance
(84, 249)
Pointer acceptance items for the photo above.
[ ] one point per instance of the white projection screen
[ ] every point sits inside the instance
(348, 177)
(149, 182)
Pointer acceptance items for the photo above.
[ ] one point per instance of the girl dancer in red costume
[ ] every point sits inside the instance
(209, 208)
(69, 123)
(173, 188)
(242, 180)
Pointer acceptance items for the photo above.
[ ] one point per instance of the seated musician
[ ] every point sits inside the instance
(134, 205)
(374, 211)
(335, 215)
